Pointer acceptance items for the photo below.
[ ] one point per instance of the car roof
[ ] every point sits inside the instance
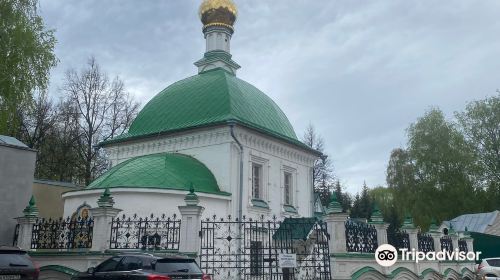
(155, 256)
(11, 248)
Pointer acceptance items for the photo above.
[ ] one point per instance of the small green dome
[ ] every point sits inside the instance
(161, 171)
(210, 98)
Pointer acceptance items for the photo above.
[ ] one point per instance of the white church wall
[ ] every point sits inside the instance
(276, 157)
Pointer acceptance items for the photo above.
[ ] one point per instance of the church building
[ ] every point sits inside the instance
(213, 133)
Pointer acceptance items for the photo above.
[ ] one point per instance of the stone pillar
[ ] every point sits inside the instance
(454, 237)
(335, 220)
(469, 240)
(436, 235)
(190, 224)
(377, 221)
(103, 215)
(26, 222)
(412, 231)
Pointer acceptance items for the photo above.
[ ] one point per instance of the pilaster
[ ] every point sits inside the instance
(377, 221)
(103, 216)
(190, 224)
(335, 220)
(26, 222)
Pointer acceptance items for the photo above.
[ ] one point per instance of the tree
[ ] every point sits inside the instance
(363, 204)
(322, 169)
(434, 178)
(385, 200)
(480, 123)
(26, 57)
(343, 198)
(444, 168)
(104, 110)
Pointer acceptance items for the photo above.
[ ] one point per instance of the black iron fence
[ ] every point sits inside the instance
(446, 243)
(462, 245)
(425, 242)
(360, 237)
(153, 232)
(250, 248)
(399, 239)
(69, 233)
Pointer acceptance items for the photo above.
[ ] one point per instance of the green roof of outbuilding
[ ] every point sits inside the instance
(210, 98)
(295, 228)
(161, 171)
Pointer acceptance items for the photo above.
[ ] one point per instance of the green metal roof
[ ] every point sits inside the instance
(295, 228)
(161, 171)
(210, 98)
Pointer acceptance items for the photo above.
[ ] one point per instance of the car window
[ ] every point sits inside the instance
(147, 261)
(129, 263)
(494, 262)
(108, 265)
(177, 265)
(17, 258)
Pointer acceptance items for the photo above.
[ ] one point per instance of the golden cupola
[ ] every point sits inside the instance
(218, 13)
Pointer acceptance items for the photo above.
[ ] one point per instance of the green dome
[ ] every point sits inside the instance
(210, 98)
(161, 171)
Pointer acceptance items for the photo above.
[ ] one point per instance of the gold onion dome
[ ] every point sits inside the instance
(218, 13)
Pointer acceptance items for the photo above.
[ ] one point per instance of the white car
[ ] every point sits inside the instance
(489, 269)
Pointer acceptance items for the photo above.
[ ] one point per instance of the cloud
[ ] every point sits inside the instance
(360, 71)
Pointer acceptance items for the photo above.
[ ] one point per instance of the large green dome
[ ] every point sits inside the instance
(160, 171)
(210, 98)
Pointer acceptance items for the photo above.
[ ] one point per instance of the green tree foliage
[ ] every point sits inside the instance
(448, 168)
(344, 198)
(26, 57)
(444, 165)
(480, 123)
(363, 204)
(384, 198)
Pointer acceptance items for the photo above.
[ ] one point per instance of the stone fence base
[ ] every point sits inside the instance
(363, 267)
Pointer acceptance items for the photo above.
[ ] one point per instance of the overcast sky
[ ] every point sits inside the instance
(359, 71)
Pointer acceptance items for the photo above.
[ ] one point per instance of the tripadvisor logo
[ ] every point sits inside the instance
(386, 255)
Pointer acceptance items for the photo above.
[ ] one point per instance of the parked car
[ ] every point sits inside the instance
(16, 264)
(489, 269)
(144, 267)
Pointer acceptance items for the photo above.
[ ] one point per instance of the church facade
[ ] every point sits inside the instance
(213, 133)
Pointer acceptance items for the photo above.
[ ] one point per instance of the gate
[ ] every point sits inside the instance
(250, 248)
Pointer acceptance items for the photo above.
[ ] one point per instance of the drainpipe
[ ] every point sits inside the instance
(240, 193)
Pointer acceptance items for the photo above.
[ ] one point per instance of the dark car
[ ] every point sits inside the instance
(16, 264)
(145, 267)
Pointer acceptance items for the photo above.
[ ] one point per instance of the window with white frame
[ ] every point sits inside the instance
(288, 188)
(257, 181)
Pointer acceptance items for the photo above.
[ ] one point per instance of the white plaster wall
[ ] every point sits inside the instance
(276, 157)
(144, 202)
(17, 166)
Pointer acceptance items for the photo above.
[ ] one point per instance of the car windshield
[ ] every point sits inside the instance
(177, 266)
(494, 262)
(10, 258)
